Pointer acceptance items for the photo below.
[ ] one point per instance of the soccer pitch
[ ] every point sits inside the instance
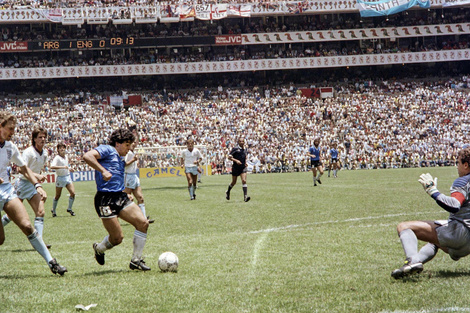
(292, 248)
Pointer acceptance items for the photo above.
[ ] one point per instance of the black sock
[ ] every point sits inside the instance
(245, 190)
(229, 188)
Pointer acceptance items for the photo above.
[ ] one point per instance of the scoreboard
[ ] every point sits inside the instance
(119, 42)
(113, 42)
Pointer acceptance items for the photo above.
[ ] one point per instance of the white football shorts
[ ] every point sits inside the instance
(131, 181)
(25, 189)
(7, 193)
(62, 181)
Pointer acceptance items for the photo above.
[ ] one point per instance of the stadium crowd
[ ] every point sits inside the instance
(48, 4)
(227, 26)
(148, 55)
(385, 125)
(185, 55)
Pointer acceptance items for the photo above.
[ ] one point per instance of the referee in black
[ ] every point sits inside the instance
(238, 157)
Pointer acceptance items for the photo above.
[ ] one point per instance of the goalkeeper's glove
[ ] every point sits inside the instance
(429, 184)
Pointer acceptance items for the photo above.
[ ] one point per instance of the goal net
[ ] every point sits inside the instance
(170, 156)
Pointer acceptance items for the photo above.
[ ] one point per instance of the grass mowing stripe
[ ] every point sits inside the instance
(292, 248)
(451, 309)
(334, 222)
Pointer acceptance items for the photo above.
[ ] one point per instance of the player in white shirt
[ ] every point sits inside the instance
(132, 181)
(35, 158)
(62, 169)
(190, 159)
(9, 201)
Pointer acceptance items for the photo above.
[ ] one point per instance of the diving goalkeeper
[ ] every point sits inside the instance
(451, 236)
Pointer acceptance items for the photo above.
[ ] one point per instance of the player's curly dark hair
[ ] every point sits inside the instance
(121, 135)
(464, 155)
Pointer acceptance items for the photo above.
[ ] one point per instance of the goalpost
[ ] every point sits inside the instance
(170, 156)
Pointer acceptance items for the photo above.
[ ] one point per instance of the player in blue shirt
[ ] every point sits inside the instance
(315, 161)
(112, 202)
(333, 160)
(452, 235)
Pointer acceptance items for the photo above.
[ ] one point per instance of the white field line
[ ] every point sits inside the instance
(373, 225)
(275, 229)
(256, 250)
(264, 234)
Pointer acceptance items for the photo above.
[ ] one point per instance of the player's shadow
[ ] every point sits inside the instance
(19, 277)
(104, 272)
(22, 250)
(166, 188)
(426, 275)
(29, 276)
(449, 274)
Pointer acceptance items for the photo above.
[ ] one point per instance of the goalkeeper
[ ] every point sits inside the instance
(451, 236)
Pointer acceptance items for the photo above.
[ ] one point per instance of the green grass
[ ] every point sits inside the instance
(292, 248)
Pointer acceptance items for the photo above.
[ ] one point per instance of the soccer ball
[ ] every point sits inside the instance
(168, 262)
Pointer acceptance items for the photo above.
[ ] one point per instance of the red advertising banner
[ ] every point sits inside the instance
(128, 100)
(50, 177)
(326, 92)
(13, 46)
(323, 92)
(310, 92)
(228, 40)
(133, 100)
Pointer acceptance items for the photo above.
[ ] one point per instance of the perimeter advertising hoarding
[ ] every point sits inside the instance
(142, 173)
(228, 40)
(13, 46)
(168, 171)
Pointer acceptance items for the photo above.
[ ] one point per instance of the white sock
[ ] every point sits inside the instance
(54, 205)
(426, 254)
(38, 244)
(71, 200)
(142, 207)
(409, 241)
(5, 220)
(104, 245)
(39, 225)
(139, 242)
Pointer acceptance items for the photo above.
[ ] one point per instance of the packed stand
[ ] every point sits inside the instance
(229, 26)
(388, 125)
